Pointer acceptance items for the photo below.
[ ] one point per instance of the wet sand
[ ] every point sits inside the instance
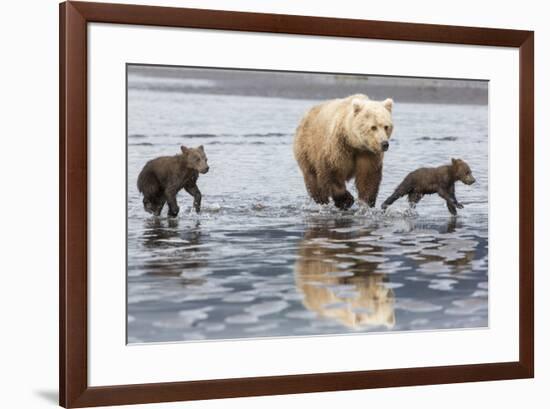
(307, 86)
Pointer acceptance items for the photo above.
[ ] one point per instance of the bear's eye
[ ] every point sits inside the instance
(386, 127)
(373, 127)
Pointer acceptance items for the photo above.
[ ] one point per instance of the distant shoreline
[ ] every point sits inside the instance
(305, 85)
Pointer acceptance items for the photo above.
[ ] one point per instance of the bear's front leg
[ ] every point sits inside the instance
(368, 175)
(450, 202)
(453, 197)
(194, 191)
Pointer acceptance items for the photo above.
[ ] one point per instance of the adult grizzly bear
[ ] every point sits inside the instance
(162, 178)
(340, 139)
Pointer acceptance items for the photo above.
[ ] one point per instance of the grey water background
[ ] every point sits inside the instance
(262, 260)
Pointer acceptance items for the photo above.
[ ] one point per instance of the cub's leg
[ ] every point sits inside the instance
(403, 189)
(414, 198)
(453, 197)
(158, 204)
(194, 191)
(148, 205)
(450, 203)
(173, 208)
(154, 204)
(368, 175)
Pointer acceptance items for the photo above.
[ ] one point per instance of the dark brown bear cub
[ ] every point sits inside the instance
(440, 180)
(162, 178)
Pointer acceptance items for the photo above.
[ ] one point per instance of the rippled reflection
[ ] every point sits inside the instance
(338, 274)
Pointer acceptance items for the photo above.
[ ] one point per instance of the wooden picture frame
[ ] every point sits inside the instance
(73, 228)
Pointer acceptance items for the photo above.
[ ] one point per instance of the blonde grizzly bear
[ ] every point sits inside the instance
(340, 139)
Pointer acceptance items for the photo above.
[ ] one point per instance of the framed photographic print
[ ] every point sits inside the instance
(255, 204)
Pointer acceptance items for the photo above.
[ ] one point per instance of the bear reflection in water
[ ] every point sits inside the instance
(337, 275)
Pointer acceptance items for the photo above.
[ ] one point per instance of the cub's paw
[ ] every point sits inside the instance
(459, 205)
(452, 210)
(148, 207)
(173, 212)
(345, 201)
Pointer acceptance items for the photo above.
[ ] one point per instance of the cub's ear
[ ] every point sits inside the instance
(454, 161)
(388, 104)
(201, 148)
(184, 149)
(357, 104)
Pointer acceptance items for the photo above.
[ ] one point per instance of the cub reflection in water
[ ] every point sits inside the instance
(175, 249)
(336, 271)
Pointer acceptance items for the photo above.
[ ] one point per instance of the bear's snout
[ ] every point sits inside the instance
(468, 180)
(385, 146)
(205, 169)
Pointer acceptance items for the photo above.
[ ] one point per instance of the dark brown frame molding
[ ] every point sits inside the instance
(73, 255)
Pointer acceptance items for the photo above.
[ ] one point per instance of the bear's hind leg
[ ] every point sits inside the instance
(159, 204)
(344, 201)
(414, 198)
(147, 205)
(342, 198)
(173, 208)
(154, 205)
(403, 189)
(318, 194)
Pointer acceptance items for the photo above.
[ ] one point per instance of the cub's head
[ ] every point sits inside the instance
(462, 171)
(196, 158)
(370, 124)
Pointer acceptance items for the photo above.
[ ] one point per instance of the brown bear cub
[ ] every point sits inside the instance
(162, 178)
(440, 180)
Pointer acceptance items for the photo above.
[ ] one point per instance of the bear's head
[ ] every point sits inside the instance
(462, 171)
(370, 124)
(195, 158)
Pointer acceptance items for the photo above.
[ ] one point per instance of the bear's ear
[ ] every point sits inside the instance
(357, 104)
(454, 161)
(184, 149)
(388, 104)
(201, 148)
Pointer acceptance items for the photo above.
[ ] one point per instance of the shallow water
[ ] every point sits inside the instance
(262, 260)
